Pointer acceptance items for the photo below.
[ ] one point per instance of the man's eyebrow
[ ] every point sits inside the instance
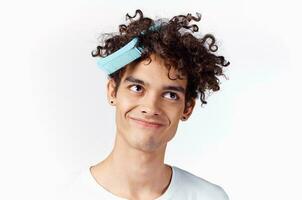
(175, 88)
(169, 87)
(134, 80)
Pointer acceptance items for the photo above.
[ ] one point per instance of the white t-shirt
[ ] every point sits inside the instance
(183, 186)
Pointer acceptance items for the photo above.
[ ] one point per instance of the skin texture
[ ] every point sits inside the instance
(135, 168)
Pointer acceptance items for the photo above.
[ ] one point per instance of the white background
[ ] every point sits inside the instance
(55, 120)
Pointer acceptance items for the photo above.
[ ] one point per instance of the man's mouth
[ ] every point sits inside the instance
(146, 123)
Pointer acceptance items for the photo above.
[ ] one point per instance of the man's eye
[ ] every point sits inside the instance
(136, 88)
(171, 95)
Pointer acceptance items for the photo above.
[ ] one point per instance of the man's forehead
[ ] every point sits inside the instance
(156, 70)
(143, 75)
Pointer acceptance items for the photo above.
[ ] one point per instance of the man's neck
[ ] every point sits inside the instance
(131, 173)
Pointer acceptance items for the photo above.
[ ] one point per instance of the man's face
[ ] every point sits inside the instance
(149, 105)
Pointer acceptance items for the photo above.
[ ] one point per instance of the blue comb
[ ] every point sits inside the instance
(124, 55)
(121, 57)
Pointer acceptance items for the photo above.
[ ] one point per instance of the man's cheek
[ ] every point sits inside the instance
(130, 100)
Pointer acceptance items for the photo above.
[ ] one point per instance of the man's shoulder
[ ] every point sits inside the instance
(197, 186)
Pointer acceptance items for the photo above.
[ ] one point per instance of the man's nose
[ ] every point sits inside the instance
(150, 104)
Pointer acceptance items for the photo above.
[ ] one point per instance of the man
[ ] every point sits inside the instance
(155, 73)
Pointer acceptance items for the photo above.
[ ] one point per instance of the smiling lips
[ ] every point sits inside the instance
(145, 123)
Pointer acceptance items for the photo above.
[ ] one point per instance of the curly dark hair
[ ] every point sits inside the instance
(175, 43)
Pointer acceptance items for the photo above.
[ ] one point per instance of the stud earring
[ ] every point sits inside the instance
(111, 102)
(184, 118)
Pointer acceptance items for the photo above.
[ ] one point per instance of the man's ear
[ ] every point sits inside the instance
(188, 109)
(111, 94)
